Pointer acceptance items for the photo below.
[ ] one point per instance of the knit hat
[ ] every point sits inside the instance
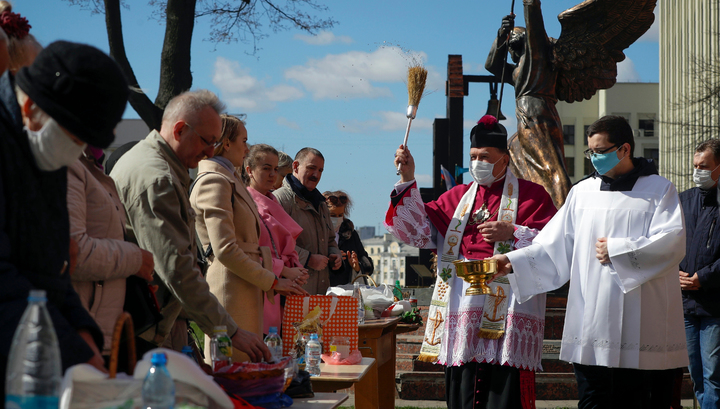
(80, 87)
(488, 133)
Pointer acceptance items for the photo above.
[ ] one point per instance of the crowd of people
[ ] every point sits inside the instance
(222, 250)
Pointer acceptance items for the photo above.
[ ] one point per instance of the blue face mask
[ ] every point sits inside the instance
(604, 162)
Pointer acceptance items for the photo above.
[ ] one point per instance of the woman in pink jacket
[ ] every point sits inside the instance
(105, 259)
(279, 231)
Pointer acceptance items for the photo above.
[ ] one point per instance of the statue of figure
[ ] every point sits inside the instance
(571, 68)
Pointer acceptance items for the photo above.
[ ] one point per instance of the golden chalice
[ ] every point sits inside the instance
(476, 273)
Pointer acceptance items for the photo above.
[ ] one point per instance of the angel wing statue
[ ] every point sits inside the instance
(572, 68)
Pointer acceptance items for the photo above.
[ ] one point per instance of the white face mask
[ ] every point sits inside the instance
(703, 178)
(336, 222)
(482, 172)
(52, 147)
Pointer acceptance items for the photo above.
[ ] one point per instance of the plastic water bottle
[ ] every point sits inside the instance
(188, 352)
(312, 355)
(357, 294)
(34, 370)
(220, 348)
(158, 390)
(274, 344)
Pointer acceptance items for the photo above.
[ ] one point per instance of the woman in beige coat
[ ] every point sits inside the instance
(240, 272)
(105, 259)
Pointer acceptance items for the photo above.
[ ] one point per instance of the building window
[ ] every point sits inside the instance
(569, 134)
(585, 135)
(570, 166)
(385, 262)
(394, 263)
(372, 250)
(652, 153)
(646, 124)
(385, 275)
(402, 275)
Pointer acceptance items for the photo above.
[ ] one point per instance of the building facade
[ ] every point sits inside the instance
(637, 102)
(689, 69)
(390, 258)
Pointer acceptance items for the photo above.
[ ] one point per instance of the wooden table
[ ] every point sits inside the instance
(320, 401)
(363, 375)
(376, 339)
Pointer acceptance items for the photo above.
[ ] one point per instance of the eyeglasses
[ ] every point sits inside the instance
(589, 153)
(205, 141)
(335, 200)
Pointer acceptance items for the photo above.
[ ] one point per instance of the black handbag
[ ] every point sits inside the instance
(141, 304)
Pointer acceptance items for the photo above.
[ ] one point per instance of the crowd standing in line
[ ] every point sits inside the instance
(618, 239)
(241, 273)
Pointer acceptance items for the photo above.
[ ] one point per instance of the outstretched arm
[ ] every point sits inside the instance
(499, 51)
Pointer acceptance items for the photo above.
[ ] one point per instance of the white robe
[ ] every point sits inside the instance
(626, 314)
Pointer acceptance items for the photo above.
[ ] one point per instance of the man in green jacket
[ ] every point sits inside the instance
(152, 181)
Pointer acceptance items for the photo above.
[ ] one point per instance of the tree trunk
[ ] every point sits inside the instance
(149, 112)
(175, 74)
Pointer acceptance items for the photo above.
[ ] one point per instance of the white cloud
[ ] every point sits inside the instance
(241, 90)
(354, 74)
(653, 33)
(323, 38)
(282, 121)
(385, 121)
(627, 72)
(423, 179)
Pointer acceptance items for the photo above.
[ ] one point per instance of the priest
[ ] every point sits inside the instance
(618, 239)
(491, 345)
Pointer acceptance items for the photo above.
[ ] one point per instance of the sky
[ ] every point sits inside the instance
(342, 91)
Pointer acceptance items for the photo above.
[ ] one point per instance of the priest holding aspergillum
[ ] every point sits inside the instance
(618, 239)
(485, 341)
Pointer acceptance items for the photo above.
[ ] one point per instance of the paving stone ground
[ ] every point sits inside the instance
(541, 404)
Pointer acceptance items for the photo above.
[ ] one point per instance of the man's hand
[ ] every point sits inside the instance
(504, 267)
(404, 158)
(298, 274)
(688, 282)
(602, 251)
(336, 260)
(508, 23)
(96, 360)
(317, 261)
(146, 267)
(252, 345)
(496, 231)
(353, 260)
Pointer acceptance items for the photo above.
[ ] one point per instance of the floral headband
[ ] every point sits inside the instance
(14, 25)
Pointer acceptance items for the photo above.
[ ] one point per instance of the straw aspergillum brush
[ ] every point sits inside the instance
(417, 75)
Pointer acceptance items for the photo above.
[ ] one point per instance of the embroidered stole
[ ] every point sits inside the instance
(496, 304)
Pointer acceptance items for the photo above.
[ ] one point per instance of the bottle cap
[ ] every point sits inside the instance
(220, 328)
(272, 330)
(158, 358)
(37, 295)
(313, 336)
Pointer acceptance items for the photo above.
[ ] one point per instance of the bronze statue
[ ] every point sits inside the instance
(571, 68)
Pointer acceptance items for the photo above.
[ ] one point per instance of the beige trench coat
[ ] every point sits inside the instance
(240, 271)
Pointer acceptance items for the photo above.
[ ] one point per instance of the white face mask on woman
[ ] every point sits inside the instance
(703, 178)
(336, 222)
(52, 147)
(482, 172)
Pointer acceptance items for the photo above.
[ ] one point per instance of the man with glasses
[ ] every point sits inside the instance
(618, 239)
(152, 181)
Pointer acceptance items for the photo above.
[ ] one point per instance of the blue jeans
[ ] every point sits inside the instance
(703, 344)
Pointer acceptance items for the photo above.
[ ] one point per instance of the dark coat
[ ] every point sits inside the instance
(349, 240)
(34, 240)
(700, 208)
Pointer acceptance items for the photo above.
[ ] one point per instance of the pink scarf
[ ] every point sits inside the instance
(284, 231)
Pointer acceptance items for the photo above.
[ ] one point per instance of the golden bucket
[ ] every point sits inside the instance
(476, 273)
